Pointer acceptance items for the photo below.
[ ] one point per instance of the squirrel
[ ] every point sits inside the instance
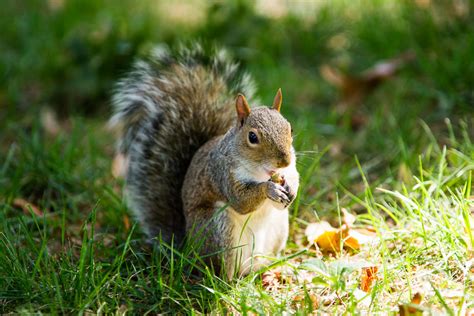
(201, 162)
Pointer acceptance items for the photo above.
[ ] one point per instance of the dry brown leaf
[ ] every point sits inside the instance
(325, 236)
(271, 280)
(314, 230)
(351, 243)
(416, 299)
(368, 277)
(25, 206)
(355, 88)
(330, 239)
(413, 308)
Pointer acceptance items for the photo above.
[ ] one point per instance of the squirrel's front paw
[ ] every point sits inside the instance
(291, 194)
(278, 193)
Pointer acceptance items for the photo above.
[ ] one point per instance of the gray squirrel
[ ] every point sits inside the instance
(201, 162)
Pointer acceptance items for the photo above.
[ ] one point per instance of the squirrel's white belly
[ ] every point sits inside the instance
(260, 234)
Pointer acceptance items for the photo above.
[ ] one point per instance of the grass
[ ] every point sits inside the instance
(406, 172)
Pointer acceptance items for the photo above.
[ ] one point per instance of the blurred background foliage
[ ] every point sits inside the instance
(66, 54)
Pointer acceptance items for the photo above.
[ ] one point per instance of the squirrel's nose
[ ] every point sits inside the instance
(284, 161)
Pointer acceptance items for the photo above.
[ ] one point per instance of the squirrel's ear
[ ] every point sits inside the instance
(277, 101)
(243, 109)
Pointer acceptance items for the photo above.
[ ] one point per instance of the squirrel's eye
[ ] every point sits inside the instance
(253, 139)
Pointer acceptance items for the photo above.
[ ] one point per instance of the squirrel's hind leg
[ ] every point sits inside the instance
(209, 234)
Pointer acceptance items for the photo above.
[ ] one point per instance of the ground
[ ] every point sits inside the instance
(398, 155)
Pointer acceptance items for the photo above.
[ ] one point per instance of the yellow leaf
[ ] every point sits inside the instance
(314, 230)
(330, 241)
(329, 238)
(352, 243)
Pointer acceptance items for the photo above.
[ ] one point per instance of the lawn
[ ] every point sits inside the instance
(392, 161)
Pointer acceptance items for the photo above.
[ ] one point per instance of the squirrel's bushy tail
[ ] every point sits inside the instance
(165, 109)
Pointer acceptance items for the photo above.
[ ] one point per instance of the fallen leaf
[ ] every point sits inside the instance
(416, 299)
(369, 275)
(25, 206)
(271, 280)
(314, 230)
(352, 243)
(363, 236)
(326, 237)
(413, 308)
(354, 88)
(330, 239)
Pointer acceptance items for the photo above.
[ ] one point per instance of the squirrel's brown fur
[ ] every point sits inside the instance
(180, 106)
